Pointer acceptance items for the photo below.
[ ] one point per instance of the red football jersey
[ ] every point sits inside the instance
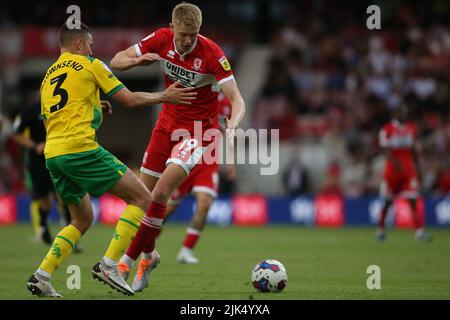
(399, 138)
(203, 67)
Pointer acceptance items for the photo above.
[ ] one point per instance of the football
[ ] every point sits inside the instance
(269, 275)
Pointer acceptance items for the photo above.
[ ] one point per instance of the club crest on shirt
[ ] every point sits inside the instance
(171, 54)
(197, 64)
(225, 64)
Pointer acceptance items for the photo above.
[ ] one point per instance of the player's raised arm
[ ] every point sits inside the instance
(126, 59)
(173, 94)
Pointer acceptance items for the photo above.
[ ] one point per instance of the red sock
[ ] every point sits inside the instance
(383, 215)
(417, 221)
(148, 230)
(191, 238)
(150, 246)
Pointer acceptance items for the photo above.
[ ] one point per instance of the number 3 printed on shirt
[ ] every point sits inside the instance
(59, 92)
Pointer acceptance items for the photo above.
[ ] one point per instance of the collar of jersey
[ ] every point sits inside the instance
(187, 52)
(397, 123)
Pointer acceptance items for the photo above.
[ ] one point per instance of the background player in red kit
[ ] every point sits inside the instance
(192, 60)
(398, 138)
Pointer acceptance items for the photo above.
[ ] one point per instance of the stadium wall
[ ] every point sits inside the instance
(258, 210)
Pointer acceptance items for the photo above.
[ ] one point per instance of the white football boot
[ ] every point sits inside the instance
(185, 256)
(140, 281)
(41, 288)
(111, 276)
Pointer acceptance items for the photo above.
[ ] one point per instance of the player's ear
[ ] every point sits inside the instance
(79, 44)
(171, 25)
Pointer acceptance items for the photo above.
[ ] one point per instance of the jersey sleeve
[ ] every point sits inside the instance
(219, 66)
(105, 79)
(151, 43)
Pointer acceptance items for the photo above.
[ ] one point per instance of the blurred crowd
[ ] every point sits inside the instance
(330, 80)
(336, 83)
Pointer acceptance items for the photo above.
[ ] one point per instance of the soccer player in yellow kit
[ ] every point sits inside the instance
(78, 165)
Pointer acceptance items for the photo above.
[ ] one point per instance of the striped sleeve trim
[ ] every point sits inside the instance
(222, 81)
(115, 89)
(138, 50)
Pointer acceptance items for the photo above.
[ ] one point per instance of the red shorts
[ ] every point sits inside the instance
(403, 183)
(203, 178)
(186, 151)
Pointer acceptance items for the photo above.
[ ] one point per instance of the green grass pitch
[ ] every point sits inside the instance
(321, 264)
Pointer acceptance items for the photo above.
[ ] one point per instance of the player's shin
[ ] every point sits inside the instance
(192, 236)
(150, 247)
(125, 231)
(149, 229)
(64, 242)
(35, 219)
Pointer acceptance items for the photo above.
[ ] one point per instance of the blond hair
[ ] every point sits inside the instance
(188, 14)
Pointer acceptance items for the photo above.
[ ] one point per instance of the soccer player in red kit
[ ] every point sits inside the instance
(398, 138)
(192, 60)
(203, 182)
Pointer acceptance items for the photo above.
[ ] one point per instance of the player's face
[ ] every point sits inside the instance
(185, 36)
(401, 113)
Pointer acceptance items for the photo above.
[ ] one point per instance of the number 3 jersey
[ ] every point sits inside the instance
(204, 67)
(70, 102)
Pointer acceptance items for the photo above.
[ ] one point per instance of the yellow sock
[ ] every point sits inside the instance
(35, 218)
(61, 248)
(126, 229)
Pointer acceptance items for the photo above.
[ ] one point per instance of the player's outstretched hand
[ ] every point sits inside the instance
(230, 127)
(40, 148)
(178, 95)
(147, 59)
(106, 107)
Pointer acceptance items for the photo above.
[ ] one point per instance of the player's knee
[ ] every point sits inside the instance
(144, 199)
(82, 224)
(161, 194)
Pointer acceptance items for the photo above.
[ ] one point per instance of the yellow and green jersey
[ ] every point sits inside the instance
(70, 102)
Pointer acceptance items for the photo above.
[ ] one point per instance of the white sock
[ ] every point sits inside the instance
(109, 262)
(127, 260)
(148, 255)
(186, 250)
(43, 275)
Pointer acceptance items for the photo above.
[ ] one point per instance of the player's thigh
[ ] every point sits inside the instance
(69, 191)
(183, 189)
(132, 190)
(148, 180)
(95, 171)
(171, 178)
